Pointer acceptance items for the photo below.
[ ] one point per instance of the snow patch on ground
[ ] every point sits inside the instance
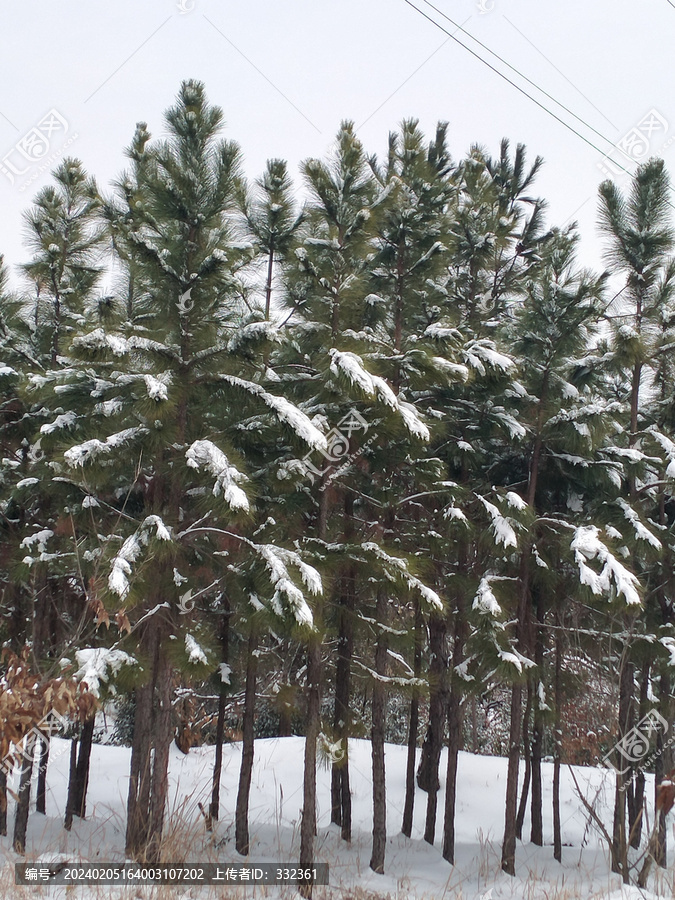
(413, 868)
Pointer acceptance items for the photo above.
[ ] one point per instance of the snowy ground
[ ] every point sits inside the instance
(413, 868)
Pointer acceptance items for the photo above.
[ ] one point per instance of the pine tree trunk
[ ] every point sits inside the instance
(247, 748)
(636, 808)
(522, 805)
(41, 796)
(537, 829)
(428, 775)
(268, 284)
(455, 722)
(163, 736)
(214, 807)
(663, 764)
(413, 726)
(3, 803)
(509, 845)
(623, 778)
(308, 820)
(557, 740)
(341, 806)
(340, 769)
(72, 778)
(313, 726)
(377, 742)
(148, 781)
(510, 812)
(23, 800)
(82, 769)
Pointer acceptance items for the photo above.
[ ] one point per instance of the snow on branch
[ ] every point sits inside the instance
(439, 331)
(351, 366)
(478, 353)
(63, 421)
(206, 454)
(98, 664)
(277, 561)
(396, 569)
(285, 412)
(513, 657)
(669, 448)
(642, 533)
(449, 369)
(254, 331)
(485, 600)
(587, 546)
(503, 530)
(99, 340)
(157, 388)
(397, 680)
(89, 450)
(196, 653)
(120, 345)
(118, 580)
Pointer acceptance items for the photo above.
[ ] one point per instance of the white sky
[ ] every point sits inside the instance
(286, 73)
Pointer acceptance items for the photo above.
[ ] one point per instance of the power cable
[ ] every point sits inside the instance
(516, 86)
(524, 77)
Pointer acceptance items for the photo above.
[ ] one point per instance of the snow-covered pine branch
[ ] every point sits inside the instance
(284, 410)
(613, 577)
(350, 366)
(118, 580)
(205, 454)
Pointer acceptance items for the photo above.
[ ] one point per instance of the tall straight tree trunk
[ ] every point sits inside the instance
(636, 808)
(377, 740)
(623, 778)
(72, 777)
(664, 761)
(455, 720)
(509, 845)
(515, 731)
(23, 799)
(341, 805)
(148, 781)
(510, 812)
(214, 807)
(527, 748)
(247, 749)
(663, 764)
(41, 796)
(82, 769)
(428, 776)
(536, 827)
(78, 780)
(537, 831)
(557, 738)
(308, 818)
(268, 283)
(413, 726)
(163, 737)
(3, 803)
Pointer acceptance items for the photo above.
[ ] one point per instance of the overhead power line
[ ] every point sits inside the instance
(520, 89)
(518, 72)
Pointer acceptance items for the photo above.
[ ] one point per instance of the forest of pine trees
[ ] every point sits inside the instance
(374, 436)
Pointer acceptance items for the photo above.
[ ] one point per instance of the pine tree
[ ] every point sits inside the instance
(160, 391)
(551, 327)
(270, 217)
(640, 241)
